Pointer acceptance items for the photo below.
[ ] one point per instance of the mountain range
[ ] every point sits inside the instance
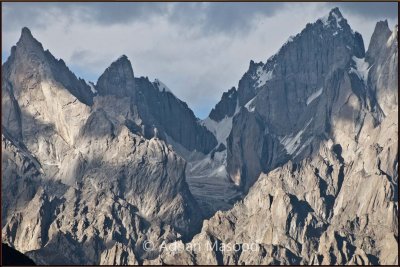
(300, 160)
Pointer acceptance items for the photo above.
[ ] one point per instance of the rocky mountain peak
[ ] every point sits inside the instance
(335, 13)
(226, 107)
(382, 26)
(123, 59)
(32, 63)
(28, 42)
(331, 33)
(381, 31)
(292, 84)
(117, 79)
(254, 65)
(383, 74)
(379, 38)
(230, 92)
(334, 24)
(26, 33)
(334, 19)
(123, 63)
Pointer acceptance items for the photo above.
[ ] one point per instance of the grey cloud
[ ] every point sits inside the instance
(17, 14)
(216, 17)
(222, 17)
(372, 10)
(230, 16)
(210, 17)
(32, 14)
(114, 13)
(80, 55)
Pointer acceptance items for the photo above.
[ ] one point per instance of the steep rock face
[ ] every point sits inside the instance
(161, 109)
(39, 65)
(382, 59)
(226, 107)
(148, 109)
(155, 110)
(335, 204)
(43, 103)
(21, 175)
(145, 168)
(289, 101)
(78, 179)
(109, 201)
(329, 209)
(118, 79)
(93, 221)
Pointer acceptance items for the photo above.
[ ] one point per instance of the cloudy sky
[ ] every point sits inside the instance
(199, 50)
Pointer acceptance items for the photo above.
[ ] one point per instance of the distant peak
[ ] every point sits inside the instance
(382, 25)
(381, 36)
(123, 57)
(336, 13)
(232, 90)
(27, 40)
(121, 61)
(381, 31)
(334, 18)
(230, 93)
(26, 34)
(117, 79)
(254, 64)
(26, 31)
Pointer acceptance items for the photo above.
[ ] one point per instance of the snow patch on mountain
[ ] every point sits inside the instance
(314, 96)
(292, 143)
(337, 18)
(306, 143)
(221, 129)
(250, 105)
(208, 166)
(232, 94)
(289, 40)
(393, 37)
(161, 86)
(325, 20)
(262, 76)
(335, 15)
(92, 88)
(361, 70)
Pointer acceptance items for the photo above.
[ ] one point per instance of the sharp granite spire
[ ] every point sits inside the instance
(117, 79)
